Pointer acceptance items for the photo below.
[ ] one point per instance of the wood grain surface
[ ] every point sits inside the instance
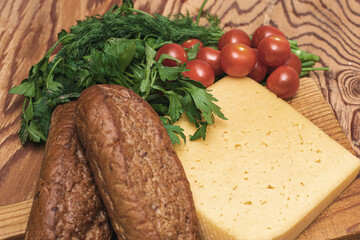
(13, 219)
(329, 29)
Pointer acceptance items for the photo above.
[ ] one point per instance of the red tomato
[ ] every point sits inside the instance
(234, 36)
(260, 69)
(284, 82)
(192, 42)
(237, 59)
(274, 50)
(211, 56)
(200, 71)
(263, 32)
(174, 50)
(294, 62)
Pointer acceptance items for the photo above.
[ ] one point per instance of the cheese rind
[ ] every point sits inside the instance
(265, 173)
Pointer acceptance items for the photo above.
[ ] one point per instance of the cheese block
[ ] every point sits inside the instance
(265, 173)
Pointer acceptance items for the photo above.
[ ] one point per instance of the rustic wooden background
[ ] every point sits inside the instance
(328, 28)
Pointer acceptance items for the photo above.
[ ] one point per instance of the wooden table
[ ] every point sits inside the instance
(329, 29)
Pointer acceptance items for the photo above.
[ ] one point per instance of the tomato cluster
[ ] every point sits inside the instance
(266, 54)
(269, 53)
(201, 69)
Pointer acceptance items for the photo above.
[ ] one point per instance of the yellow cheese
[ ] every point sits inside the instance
(265, 173)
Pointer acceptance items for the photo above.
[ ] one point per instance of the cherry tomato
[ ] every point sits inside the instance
(274, 50)
(237, 59)
(211, 56)
(174, 50)
(260, 69)
(294, 62)
(200, 71)
(192, 42)
(234, 36)
(263, 32)
(284, 81)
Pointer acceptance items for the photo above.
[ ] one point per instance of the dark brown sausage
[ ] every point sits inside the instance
(66, 203)
(139, 176)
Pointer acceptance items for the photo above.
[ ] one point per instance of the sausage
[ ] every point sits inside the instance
(139, 176)
(67, 204)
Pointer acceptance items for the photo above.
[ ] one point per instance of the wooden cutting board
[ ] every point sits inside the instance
(340, 220)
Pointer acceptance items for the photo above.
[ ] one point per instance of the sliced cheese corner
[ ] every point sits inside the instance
(265, 173)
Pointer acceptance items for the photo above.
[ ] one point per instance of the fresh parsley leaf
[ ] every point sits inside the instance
(150, 61)
(170, 73)
(207, 107)
(34, 134)
(122, 51)
(205, 101)
(160, 108)
(173, 131)
(200, 132)
(42, 117)
(193, 51)
(53, 85)
(192, 113)
(29, 111)
(175, 106)
(26, 88)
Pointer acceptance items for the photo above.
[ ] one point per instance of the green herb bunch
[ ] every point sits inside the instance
(119, 47)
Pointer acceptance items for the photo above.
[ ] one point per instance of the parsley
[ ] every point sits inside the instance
(119, 47)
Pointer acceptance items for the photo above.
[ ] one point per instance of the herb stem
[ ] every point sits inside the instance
(142, 12)
(200, 12)
(314, 69)
(129, 75)
(153, 78)
(49, 52)
(304, 73)
(293, 43)
(122, 83)
(305, 56)
(51, 71)
(161, 44)
(307, 64)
